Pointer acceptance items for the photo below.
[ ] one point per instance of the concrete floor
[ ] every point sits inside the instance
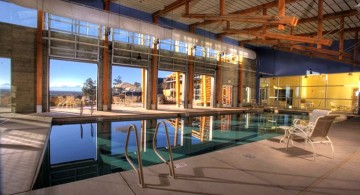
(263, 167)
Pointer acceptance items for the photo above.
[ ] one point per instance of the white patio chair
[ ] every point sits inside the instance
(317, 134)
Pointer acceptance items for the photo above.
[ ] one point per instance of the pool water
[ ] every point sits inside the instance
(81, 151)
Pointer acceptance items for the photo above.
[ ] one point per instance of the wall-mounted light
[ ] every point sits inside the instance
(138, 57)
(310, 71)
(305, 76)
(156, 41)
(107, 31)
(350, 74)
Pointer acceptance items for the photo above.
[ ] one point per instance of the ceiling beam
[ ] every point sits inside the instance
(335, 15)
(247, 11)
(323, 56)
(322, 51)
(264, 19)
(281, 8)
(294, 38)
(170, 7)
(320, 20)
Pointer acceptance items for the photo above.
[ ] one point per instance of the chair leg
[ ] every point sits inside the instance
(287, 143)
(332, 147)
(312, 145)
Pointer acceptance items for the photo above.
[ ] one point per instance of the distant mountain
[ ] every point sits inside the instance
(5, 86)
(66, 88)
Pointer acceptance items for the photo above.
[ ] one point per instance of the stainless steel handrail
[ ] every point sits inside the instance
(170, 163)
(140, 171)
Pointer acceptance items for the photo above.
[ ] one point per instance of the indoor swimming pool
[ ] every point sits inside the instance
(81, 151)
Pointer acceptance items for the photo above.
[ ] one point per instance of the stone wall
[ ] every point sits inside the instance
(19, 44)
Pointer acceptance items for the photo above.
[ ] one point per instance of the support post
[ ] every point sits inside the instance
(320, 20)
(106, 72)
(281, 13)
(341, 39)
(190, 79)
(143, 80)
(356, 48)
(218, 79)
(39, 61)
(240, 82)
(177, 88)
(154, 77)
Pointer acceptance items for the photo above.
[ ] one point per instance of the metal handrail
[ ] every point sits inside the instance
(170, 163)
(140, 171)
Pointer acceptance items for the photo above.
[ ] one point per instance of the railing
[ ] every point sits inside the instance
(139, 171)
(170, 163)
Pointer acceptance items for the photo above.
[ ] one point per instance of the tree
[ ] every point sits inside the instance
(117, 80)
(137, 85)
(89, 88)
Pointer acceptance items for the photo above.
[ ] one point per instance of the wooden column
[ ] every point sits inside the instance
(222, 7)
(240, 81)
(281, 12)
(218, 78)
(264, 25)
(143, 80)
(320, 20)
(356, 48)
(177, 88)
(291, 33)
(341, 39)
(154, 77)
(190, 78)
(106, 66)
(39, 61)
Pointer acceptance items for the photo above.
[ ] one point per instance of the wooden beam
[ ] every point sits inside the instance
(264, 25)
(222, 7)
(320, 20)
(39, 60)
(247, 11)
(356, 48)
(341, 39)
(187, 7)
(294, 38)
(322, 51)
(304, 20)
(346, 30)
(170, 7)
(281, 13)
(288, 20)
(291, 42)
(323, 56)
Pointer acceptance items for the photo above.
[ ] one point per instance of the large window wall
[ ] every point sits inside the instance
(337, 92)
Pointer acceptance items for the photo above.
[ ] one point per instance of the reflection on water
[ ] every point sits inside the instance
(79, 151)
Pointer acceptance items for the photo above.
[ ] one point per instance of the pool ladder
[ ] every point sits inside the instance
(170, 163)
(139, 171)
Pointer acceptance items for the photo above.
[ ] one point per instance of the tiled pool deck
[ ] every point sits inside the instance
(263, 167)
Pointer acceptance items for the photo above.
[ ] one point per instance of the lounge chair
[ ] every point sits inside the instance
(317, 134)
(302, 124)
(306, 125)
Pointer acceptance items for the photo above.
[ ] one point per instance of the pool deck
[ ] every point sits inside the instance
(256, 168)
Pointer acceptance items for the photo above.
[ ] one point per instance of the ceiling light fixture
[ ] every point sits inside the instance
(138, 57)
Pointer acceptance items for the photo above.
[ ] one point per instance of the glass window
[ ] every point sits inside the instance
(14, 14)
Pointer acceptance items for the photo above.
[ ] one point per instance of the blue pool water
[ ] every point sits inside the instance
(80, 151)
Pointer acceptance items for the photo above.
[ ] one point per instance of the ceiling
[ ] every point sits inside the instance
(305, 10)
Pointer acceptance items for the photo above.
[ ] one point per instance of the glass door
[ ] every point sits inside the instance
(227, 95)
